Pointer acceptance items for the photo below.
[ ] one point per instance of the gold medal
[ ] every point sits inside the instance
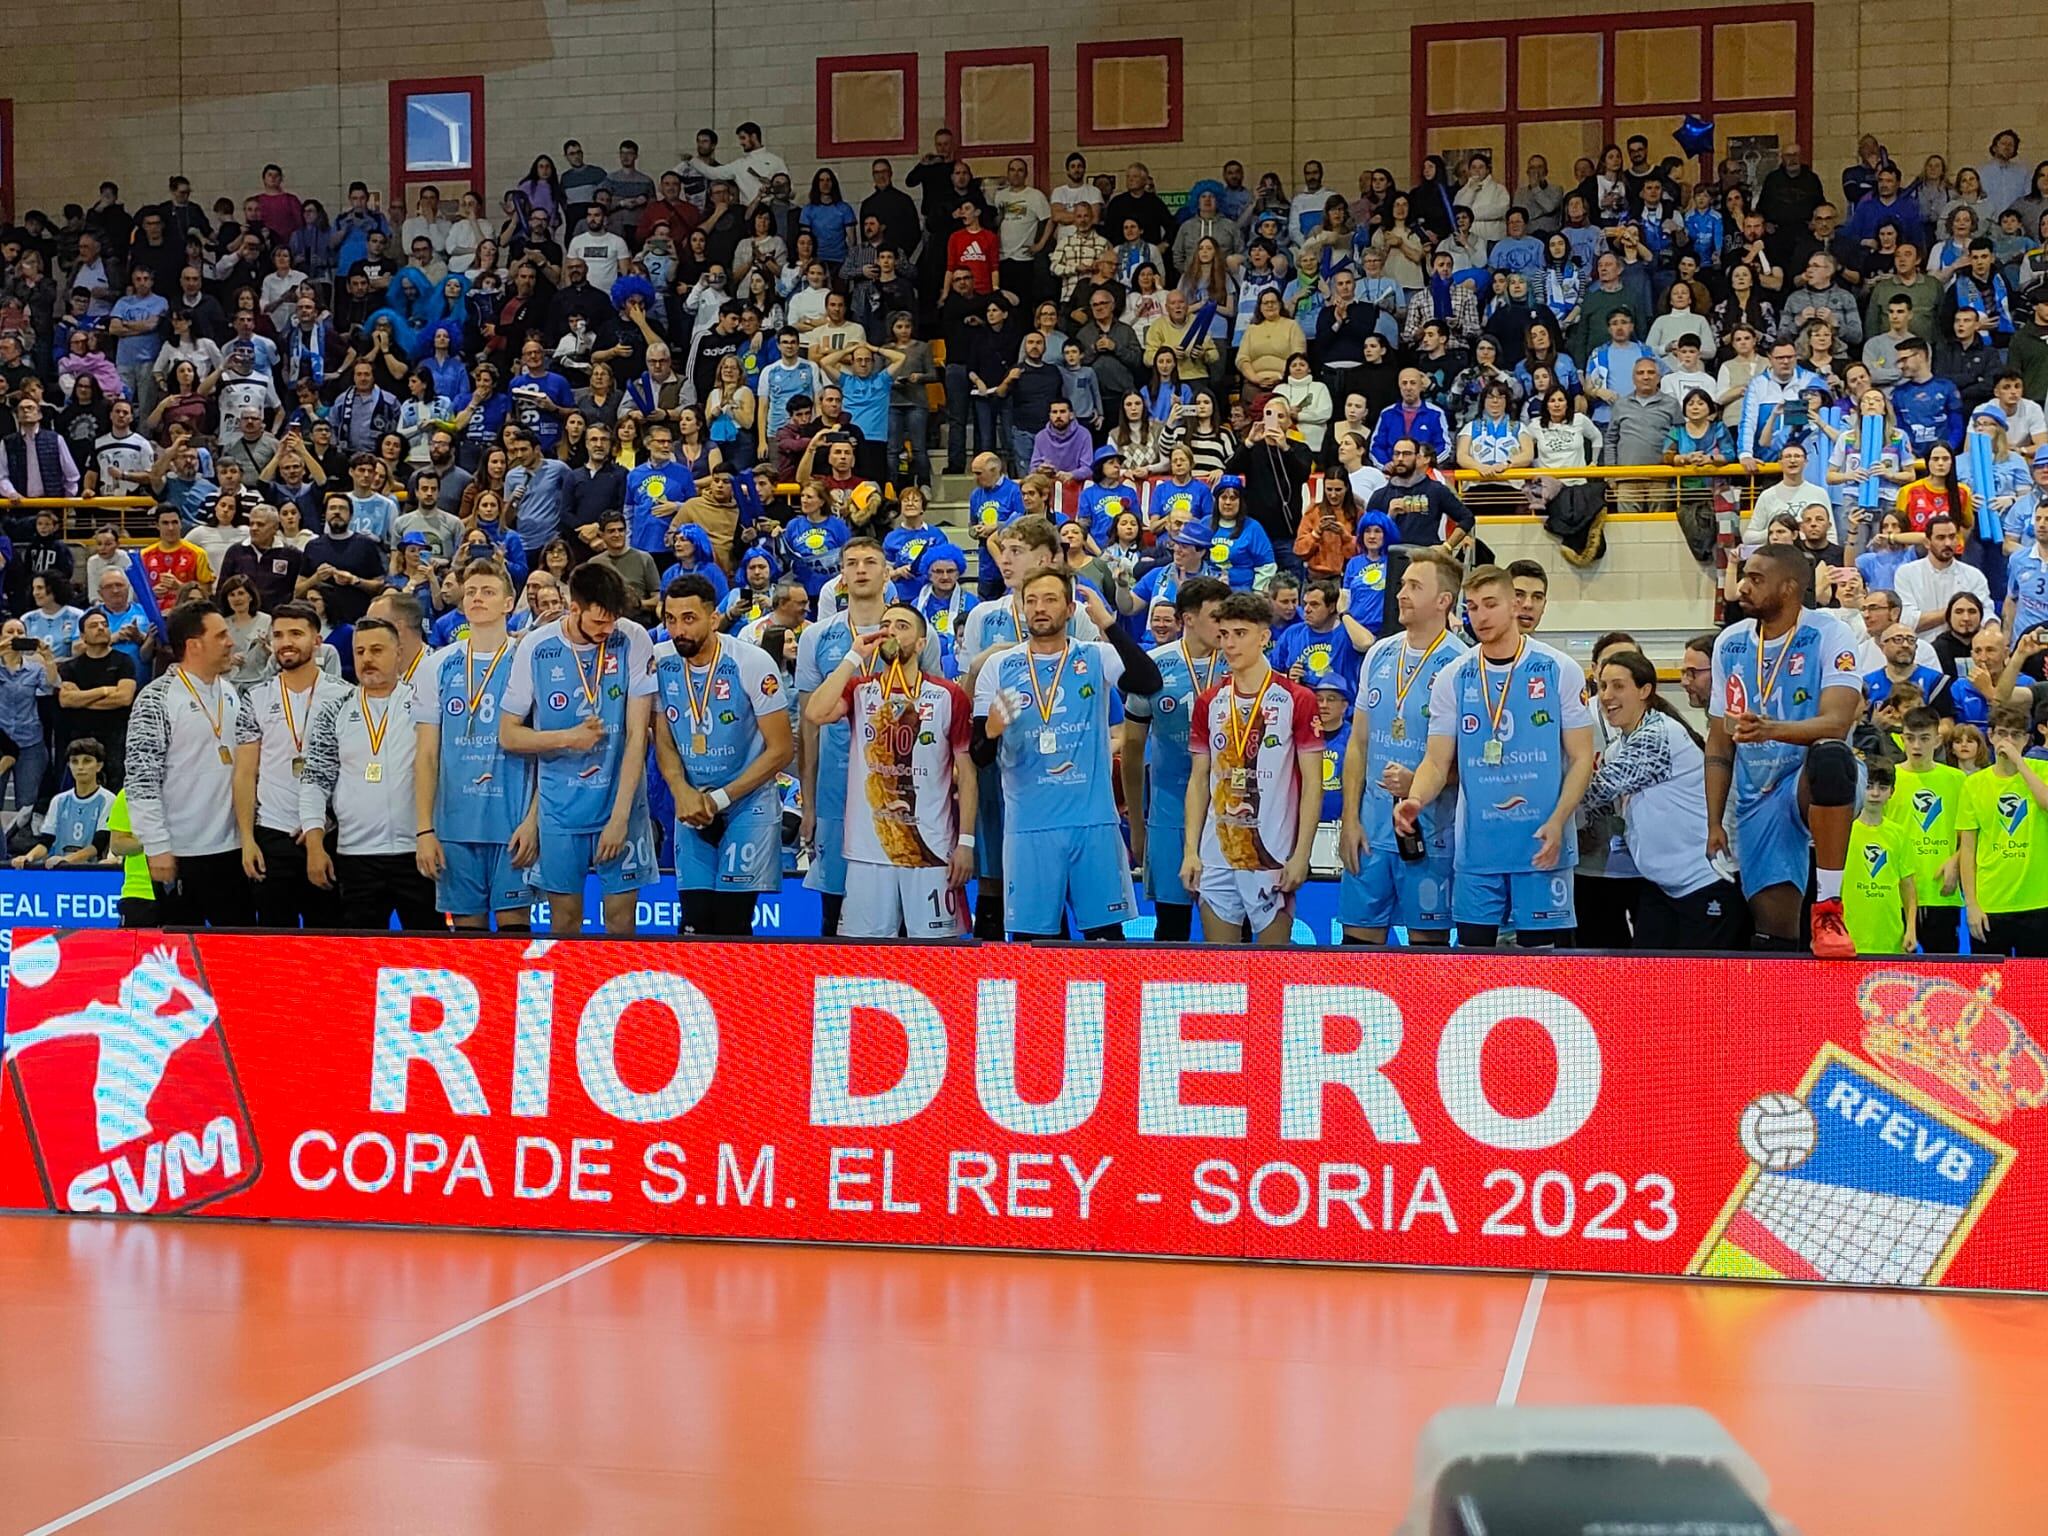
(1398, 730)
(227, 757)
(214, 718)
(1490, 754)
(374, 773)
(700, 708)
(700, 743)
(1404, 683)
(298, 767)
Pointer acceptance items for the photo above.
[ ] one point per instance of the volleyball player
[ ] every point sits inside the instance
(723, 737)
(579, 701)
(864, 582)
(478, 813)
(1155, 761)
(1510, 716)
(1255, 792)
(909, 790)
(1389, 735)
(1786, 692)
(1042, 711)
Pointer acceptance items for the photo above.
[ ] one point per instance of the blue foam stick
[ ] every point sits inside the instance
(1870, 451)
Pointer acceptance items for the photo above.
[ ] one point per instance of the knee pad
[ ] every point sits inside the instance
(1831, 773)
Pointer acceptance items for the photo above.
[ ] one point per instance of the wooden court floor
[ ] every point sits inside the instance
(166, 1379)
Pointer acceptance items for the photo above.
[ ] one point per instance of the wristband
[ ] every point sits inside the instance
(720, 798)
(964, 840)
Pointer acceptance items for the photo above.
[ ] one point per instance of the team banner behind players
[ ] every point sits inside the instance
(1743, 1118)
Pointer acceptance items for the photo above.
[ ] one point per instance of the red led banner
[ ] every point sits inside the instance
(1750, 1118)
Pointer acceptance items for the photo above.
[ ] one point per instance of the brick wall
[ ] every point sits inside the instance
(134, 89)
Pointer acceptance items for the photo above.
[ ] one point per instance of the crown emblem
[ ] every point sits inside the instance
(1954, 1045)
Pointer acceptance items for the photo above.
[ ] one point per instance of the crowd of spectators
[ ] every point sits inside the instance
(703, 383)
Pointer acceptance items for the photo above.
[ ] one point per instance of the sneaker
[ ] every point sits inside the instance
(1831, 939)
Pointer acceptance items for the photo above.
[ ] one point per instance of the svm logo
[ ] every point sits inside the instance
(122, 1071)
(168, 1169)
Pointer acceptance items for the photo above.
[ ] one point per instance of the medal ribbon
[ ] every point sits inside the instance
(1202, 680)
(1243, 730)
(589, 681)
(374, 729)
(284, 698)
(1404, 685)
(214, 717)
(1045, 703)
(469, 671)
(1495, 711)
(1764, 683)
(700, 708)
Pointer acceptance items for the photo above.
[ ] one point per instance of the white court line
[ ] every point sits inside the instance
(1518, 1352)
(228, 1442)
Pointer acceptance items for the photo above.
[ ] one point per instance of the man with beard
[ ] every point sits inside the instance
(1785, 693)
(347, 567)
(1042, 715)
(723, 736)
(863, 582)
(1255, 793)
(910, 792)
(478, 818)
(270, 760)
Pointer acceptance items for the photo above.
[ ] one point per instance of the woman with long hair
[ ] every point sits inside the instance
(1888, 548)
(1653, 766)
(487, 536)
(1165, 395)
(829, 217)
(249, 628)
(1564, 279)
(1146, 300)
(626, 440)
(85, 418)
(1961, 620)
(1401, 242)
(1136, 435)
(1539, 350)
(694, 448)
(1938, 491)
(542, 188)
(1207, 279)
(489, 476)
(763, 250)
(1848, 474)
(1744, 305)
(1430, 197)
(184, 404)
(730, 410)
(1564, 440)
(312, 251)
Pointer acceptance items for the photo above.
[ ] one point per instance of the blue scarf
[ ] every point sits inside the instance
(1440, 296)
(309, 358)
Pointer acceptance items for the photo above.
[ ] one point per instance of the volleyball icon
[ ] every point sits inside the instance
(1778, 1132)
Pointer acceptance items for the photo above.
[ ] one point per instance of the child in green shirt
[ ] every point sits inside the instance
(1925, 803)
(2004, 855)
(1878, 902)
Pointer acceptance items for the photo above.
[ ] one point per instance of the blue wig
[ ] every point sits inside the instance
(632, 286)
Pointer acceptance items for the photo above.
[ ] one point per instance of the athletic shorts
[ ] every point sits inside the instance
(1162, 864)
(1390, 892)
(882, 897)
(1244, 895)
(1529, 901)
(748, 857)
(567, 859)
(1772, 843)
(480, 878)
(827, 874)
(1082, 868)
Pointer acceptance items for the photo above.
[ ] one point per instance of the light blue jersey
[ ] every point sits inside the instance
(1781, 679)
(1396, 685)
(2026, 579)
(481, 791)
(556, 684)
(721, 705)
(1525, 706)
(1055, 765)
(1167, 763)
(73, 821)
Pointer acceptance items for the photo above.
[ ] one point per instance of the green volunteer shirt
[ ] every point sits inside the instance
(135, 879)
(1880, 857)
(2012, 872)
(1925, 805)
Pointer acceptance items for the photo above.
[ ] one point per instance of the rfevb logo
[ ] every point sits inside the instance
(122, 1071)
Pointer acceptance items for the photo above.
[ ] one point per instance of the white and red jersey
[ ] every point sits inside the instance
(1254, 788)
(899, 769)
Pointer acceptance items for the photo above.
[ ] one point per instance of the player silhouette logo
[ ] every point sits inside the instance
(137, 1038)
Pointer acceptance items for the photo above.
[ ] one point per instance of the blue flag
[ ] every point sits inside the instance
(145, 594)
